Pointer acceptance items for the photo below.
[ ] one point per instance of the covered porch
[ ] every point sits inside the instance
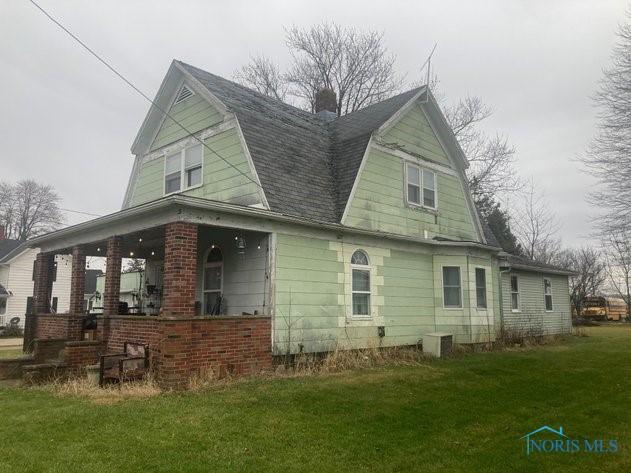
(204, 298)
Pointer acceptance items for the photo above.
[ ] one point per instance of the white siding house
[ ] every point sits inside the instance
(16, 278)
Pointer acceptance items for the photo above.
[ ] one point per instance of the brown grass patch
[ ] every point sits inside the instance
(81, 387)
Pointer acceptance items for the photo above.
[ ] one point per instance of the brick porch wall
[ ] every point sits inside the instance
(129, 328)
(60, 326)
(179, 348)
(236, 345)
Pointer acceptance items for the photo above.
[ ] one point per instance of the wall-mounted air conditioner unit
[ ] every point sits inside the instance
(437, 344)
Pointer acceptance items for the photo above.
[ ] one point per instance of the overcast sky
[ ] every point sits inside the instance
(69, 122)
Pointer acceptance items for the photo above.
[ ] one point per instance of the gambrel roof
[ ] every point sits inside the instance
(306, 163)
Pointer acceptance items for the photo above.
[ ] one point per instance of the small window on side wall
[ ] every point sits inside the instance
(547, 294)
(360, 284)
(452, 287)
(480, 287)
(514, 293)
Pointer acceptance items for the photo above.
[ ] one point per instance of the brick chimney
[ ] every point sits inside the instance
(2, 235)
(325, 100)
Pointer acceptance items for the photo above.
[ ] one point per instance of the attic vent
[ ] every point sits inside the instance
(185, 93)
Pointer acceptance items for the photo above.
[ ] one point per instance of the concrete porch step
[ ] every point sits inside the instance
(41, 372)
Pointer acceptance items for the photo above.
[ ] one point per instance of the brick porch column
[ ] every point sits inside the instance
(111, 291)
(77, 281)
(172, 357)
(43, 284)
(180, 269)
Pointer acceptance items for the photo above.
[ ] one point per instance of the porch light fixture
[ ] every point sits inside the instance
(240, 245)
(139, 240)
(98, 250)
(131, 253)
(153, 253)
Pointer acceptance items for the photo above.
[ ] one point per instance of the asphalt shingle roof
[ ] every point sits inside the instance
(306, 162)
(6, 247)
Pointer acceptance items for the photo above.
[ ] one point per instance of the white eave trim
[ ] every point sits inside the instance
(175, 201)
(351, 196)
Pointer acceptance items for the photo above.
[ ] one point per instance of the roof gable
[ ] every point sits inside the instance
(307, 163)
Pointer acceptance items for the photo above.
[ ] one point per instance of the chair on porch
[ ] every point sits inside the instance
(130, 365)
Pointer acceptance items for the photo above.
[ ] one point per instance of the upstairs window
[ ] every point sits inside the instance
(452, 288)
(360, 284)
(514, 293)
(547, 294)
(183, 170)
(480, 287)
(421, 186)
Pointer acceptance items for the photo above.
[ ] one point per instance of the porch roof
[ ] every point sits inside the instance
(203, 212)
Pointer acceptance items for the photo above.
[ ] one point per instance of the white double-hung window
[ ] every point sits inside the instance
(421, 186)
(183, 169)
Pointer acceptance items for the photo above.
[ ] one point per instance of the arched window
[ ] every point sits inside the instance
(361, 283)
(213, 281)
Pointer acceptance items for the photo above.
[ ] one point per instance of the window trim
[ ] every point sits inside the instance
(206, 266)
(421, 170)
(486, 292)
(183, 170)
(442, 285)
(545, 294)
(367, 268)
(518, 292)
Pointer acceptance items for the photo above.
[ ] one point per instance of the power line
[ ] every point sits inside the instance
(130, 84)
(81, 212)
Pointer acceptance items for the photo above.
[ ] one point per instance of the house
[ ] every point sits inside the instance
(133, 292)
(16, 280)
(91, 295)
(288, 231)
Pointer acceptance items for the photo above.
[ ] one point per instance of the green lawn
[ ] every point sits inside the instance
(10, 352)
(463, 414)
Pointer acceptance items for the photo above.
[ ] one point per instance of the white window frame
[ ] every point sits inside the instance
(486, 293)
(546, 294)
(367, 268)
(421, 171)
(442, 285)
(183, 187)
(518, 309)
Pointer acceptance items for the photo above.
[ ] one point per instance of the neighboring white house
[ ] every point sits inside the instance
(16, 280)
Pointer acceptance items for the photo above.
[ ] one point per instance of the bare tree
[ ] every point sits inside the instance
(28, 209)
(589, 273)
(609, 155)
(133, 265)
(617, 252)
(354, 64)
(264, 76)
(536, 227)
(491, 158)
(361, 71)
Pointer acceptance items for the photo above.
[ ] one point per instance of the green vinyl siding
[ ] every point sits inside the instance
(379, 202)
(313, 310)
(532, 316)
(194, 113)
(414, 135)
(222, 179)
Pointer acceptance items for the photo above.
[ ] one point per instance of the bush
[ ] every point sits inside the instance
(12, 331)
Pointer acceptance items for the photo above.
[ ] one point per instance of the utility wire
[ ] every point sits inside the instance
(80, 212)
(130, 84)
